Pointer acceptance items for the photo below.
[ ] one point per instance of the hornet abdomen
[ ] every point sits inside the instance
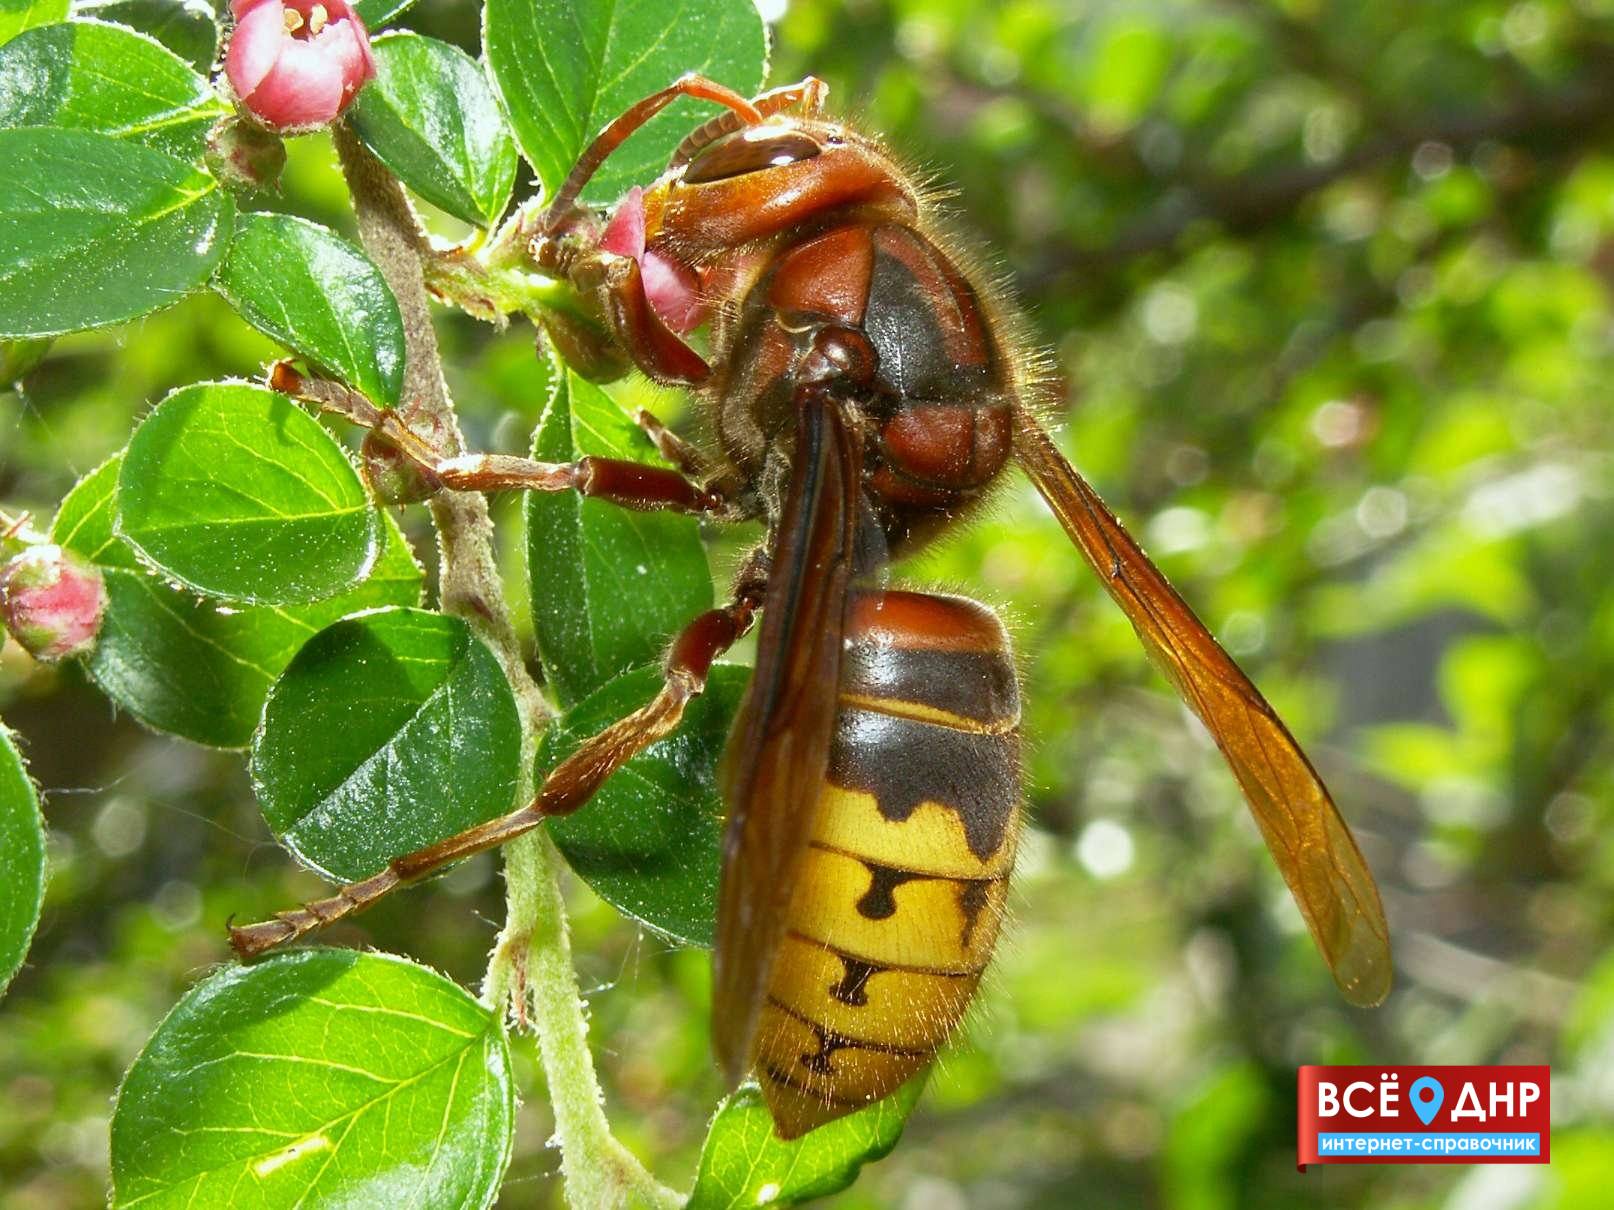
(900, 895)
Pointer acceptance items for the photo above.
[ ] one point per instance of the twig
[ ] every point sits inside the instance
(532, 956)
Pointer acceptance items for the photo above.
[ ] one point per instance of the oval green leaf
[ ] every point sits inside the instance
(235, 492)
(83, 75)
(567, 67)
(744, 1164)
(18, 15)
(431, 118)
(22, 859)
(317, 294)
(388, 732)
(650, 840)
(376, 13)
(186, 27)
(610, 587)
(95, 230)
(319, 1078)
(183, 665)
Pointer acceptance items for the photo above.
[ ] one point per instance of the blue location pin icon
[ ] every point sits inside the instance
(1426, 1096)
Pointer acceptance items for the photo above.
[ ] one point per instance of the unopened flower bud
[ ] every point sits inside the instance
(585, 346)
(244, 154)
(295, 65)
(394, 477)
(52, 601)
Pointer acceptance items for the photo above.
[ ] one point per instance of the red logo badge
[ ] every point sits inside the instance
(1424, 1115)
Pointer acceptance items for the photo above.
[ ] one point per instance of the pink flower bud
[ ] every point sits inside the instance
(296, 65)
(396, 478)
(672, 288)
(52, 601)
(245, 155)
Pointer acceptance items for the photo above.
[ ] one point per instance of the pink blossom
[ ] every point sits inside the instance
(52, 601)
(296, 64)
(672, 288)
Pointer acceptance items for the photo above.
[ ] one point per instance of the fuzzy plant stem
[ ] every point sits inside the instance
(530, 975)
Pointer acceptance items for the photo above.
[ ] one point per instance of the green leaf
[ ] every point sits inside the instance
(183, 665)
(376, 13)
(567, 67)
(650, 840)
(744, 1164)
(319, 1078)
(235, 492)
(95, 230)
(18, 15)
(186, 27)
(83, 75)
(390, 731)
(22, 859)
(610, 587)
(431, 118)
(317, 294)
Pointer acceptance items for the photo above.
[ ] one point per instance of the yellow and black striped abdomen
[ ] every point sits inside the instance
(900, 895)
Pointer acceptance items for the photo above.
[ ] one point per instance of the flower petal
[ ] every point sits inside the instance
(260, 35)
(363, 36)
(304, 89)
(345, 42)
(624, 234)
(674, 292)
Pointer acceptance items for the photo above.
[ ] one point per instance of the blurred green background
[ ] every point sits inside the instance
(1329, 282)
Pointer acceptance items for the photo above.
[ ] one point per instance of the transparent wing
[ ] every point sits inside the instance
(1310, 841)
